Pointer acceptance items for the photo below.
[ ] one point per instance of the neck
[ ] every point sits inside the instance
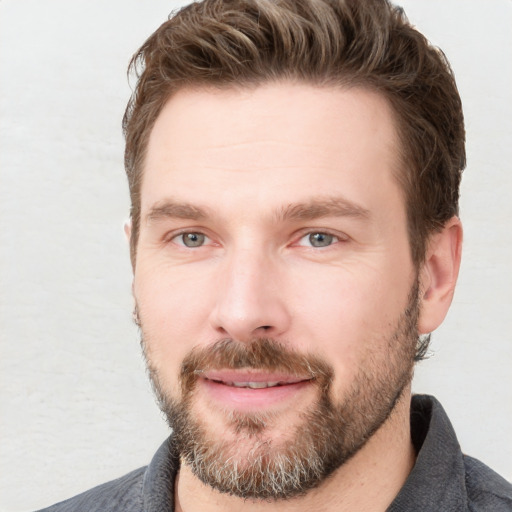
(369, 481)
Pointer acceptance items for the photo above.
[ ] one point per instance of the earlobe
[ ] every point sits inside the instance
(438, 275)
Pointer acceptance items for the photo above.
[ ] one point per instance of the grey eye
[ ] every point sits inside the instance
(320, 239)
(192, 239)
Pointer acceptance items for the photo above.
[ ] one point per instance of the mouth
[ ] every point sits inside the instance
(253, 379)
(252, 385)
(248, 390)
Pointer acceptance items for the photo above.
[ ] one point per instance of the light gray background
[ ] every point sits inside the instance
(75, 406)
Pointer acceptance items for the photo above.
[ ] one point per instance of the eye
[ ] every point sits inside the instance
(318, 239)
(191, 239)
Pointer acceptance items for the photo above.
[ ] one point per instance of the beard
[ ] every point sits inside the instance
(248, 462)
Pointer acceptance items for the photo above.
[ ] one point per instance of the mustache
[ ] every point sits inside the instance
(264, 354)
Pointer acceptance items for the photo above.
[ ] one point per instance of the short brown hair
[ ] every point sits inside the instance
(365, 43)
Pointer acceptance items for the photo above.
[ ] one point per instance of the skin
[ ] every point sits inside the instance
(242, 157)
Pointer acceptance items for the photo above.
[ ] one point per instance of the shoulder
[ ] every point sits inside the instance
(485, 488)
(149, 488)
(123, 494)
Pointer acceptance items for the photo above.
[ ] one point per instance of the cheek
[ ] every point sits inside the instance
(173, 313)
(346, 317)
(171, 298)
(351, 301)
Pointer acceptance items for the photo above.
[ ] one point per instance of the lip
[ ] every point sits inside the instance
(252, 376)
(223, 387)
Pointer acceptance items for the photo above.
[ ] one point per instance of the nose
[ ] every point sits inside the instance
(250, 298)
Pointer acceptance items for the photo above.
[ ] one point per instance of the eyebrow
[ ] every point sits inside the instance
(176, 210)
(323, 207)
(315, 208)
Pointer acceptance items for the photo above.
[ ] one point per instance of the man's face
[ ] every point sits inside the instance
(274, 282)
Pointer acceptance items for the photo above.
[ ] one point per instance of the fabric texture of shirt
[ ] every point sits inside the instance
(442, 480)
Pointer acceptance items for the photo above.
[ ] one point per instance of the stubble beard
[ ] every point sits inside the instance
(249, 463)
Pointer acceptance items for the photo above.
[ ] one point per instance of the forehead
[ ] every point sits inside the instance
(276, 141)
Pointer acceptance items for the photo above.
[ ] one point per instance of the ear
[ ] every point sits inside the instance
(128, 229)
(128, 233)
(438, 275)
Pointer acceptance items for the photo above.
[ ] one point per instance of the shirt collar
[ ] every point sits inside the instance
(437, 479)
(159, 478)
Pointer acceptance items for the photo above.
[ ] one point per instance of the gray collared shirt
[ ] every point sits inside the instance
(442, 480)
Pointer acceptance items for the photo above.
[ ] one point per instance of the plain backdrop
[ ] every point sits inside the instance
(75, 406)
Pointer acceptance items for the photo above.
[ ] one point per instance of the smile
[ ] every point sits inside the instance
(252, 391)
(251, 385)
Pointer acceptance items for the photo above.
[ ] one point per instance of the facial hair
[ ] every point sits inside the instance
(250, 464)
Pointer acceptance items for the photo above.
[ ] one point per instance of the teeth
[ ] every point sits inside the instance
(253, 385)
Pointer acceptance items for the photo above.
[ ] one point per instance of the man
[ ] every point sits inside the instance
(294, 170)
